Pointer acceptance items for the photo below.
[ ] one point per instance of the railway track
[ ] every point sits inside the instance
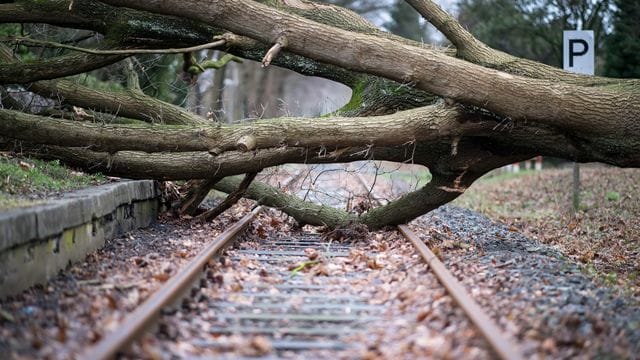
(270, 294)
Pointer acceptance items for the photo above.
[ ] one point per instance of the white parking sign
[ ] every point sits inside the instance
(579, 51)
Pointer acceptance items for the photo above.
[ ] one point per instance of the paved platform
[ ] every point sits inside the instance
(36, 242)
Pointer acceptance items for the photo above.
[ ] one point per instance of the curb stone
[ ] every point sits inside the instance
(36, 242)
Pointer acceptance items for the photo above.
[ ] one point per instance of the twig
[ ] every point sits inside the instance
(23, 40)
(231, 199)
(302, 266)
(199, 68)
(504, 264)
(274, 51)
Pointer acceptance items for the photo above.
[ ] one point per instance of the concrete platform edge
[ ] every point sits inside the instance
(36, 242)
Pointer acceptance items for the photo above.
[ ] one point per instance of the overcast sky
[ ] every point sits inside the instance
(449, 5)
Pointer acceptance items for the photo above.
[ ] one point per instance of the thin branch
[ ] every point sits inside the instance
(199, 68)
(231, 199)
(51, 44)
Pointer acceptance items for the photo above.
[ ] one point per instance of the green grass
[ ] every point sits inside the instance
(24, 180)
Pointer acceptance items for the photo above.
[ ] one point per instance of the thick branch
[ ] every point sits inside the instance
(474, 50)
(440, 190)
(562, 105)
(202, 165)
(131, 104)
(51, 68)
(429, 123)
(304, 212)
(198, 191)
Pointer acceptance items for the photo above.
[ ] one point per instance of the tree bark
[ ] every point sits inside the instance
(460, 112)
(562, 105)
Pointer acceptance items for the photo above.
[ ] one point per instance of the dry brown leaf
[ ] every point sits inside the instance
(260, 345)
(374, 264)
(162, 277)
(423, 314)
(262, 232)
(311, 253)
(320, 270)
(140, 262)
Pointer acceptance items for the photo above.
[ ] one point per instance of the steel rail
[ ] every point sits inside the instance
(144, 315)
(504, 348)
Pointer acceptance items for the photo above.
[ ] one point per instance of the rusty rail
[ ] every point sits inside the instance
(491, 332)
(504, 348)
(139, 320)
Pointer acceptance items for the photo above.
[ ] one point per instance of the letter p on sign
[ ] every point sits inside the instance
(579, 51)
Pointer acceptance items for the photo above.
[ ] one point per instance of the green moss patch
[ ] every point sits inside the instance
(27, 181)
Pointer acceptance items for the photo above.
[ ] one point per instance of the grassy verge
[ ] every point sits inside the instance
(26, 181)
(604, 235)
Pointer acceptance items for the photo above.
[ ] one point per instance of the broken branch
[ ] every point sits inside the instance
(231, 199)
(274, 51)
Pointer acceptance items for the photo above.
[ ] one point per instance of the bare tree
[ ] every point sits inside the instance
(459, 111)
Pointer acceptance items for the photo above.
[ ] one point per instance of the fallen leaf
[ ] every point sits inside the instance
(374, 264)
(140, 262)
(423, 314)
(262, 232)
(162, 277)
(260, 346)
(312, 253)
(7, 316)
(320, 270)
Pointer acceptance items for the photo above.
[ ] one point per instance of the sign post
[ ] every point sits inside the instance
(578, 56)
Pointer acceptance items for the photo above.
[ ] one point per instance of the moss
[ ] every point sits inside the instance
(68, 239)
(25, 176)
(357, 93)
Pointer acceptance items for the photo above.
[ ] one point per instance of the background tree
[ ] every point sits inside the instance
(532, 29)
(406, 22)
(623, 45)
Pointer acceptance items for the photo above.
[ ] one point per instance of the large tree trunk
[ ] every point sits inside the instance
(460, 112)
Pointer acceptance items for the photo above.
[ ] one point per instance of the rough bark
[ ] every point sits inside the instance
(426, 123)
(559, 104)
(473, 108)
(303, 211)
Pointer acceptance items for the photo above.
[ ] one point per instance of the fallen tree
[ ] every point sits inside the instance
(460, 112)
